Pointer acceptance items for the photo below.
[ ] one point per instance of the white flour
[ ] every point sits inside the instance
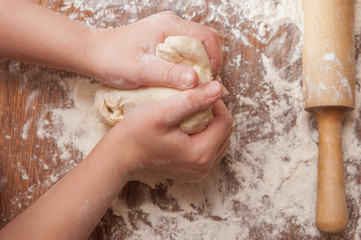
(269, 176)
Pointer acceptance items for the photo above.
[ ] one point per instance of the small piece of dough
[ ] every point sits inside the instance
(113, 104)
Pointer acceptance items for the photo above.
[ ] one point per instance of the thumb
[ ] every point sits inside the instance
(184, 104)
(157, 72)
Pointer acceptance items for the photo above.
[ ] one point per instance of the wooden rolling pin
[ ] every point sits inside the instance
(328, 85)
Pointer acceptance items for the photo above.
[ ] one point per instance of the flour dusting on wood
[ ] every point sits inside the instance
(268, 178)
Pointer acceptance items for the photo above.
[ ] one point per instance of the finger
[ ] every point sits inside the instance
(217, 131)
(225, 141)
(158, 72)
(225, 91)
(166, 12)
(223, 148)
(180, 27)
(175, 109)
(214, 50)
(222, 153)
(207, 35)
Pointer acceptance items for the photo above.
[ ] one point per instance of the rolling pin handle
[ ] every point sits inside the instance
(331, 208)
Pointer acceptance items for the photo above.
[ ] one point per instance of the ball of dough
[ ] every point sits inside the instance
(113, 104)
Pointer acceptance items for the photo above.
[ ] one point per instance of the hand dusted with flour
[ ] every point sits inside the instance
(153, 144)
(251, 195)
(113, 104)
(124, 57)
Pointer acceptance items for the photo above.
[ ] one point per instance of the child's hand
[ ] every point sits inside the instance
(124, 58)
(149, 138)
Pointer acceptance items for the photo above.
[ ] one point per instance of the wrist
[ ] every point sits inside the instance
(87, 57)
(98, 54)
(119, 150)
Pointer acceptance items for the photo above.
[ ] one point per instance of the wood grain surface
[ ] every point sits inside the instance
(23, 177)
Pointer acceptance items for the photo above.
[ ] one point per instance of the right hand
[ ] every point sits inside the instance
(149, 138)
(125, 57)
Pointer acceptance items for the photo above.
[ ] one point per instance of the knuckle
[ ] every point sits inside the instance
(195, 99)
(168, 15)
(159, 119)
(190, 98)
(214, 33)
(199, 165)
(191, 101)
(202, 162)
(168, 72)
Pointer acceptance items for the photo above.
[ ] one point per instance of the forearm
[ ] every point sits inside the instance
(34, 34)
(72, 208)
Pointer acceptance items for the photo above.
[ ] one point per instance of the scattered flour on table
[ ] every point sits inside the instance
(274, 162)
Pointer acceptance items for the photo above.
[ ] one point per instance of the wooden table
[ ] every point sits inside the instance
(28, 162)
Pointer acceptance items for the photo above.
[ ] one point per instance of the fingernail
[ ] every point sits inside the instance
(213, 89)
(225, 92)
(188, 80)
